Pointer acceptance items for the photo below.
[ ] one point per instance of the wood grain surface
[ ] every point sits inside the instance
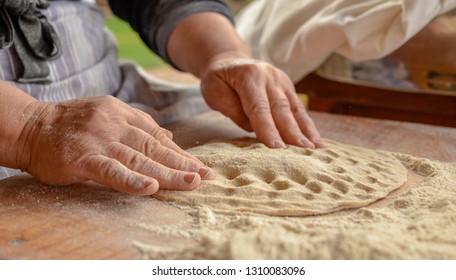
(89, 221)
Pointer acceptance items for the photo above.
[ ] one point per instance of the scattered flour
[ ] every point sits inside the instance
(416, 223)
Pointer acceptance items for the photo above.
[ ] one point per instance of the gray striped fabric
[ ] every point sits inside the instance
(89, 67)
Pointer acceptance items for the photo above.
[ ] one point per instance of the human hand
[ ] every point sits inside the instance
(259, 97)
(107, 141)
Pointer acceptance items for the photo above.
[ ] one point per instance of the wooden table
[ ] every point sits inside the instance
(332, 96)
(88, 221)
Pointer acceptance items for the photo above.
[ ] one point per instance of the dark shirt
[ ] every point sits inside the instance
(154, 20)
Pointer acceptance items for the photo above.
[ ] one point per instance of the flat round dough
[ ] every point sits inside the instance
(290, 182)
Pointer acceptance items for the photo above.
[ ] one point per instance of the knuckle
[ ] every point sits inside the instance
(92, 112)
(101, 103)
(108, 169)
(298, 108)
(135, 161)
(153, 149)
(149, 146)
(162, 155)
(280, 105)
(249, 68)
(114, 174)
(142, 114)
(260, 108)
(156, 132)
(167, 133)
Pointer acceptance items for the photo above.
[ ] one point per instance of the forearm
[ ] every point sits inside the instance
(154, 20)
(13, 117)
(202, 37)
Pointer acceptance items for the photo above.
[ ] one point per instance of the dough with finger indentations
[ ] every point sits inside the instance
(290, 182)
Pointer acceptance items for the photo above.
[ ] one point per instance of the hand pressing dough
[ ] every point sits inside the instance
(290, 182)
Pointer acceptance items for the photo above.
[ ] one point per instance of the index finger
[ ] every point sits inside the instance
(146, 123)
(258, 109)
(304, 121)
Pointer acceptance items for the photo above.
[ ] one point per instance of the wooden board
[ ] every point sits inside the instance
(433, 142)
(333, 96)
(81, 221)
(88, 221)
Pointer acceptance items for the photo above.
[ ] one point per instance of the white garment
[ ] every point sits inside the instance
(298, 35)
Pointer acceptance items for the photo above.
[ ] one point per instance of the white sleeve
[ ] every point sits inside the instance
(297, 36)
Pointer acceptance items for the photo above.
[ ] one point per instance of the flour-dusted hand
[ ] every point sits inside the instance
(259, 97)
(254, 94)
(107, 141)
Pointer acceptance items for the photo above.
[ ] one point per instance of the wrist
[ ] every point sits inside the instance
(224, 59)
(35, 120)
(13, 104)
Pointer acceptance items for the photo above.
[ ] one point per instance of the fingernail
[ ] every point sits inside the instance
(279, 145)
(319, 142)
(189, 178)
(204, 172)
(148, 184)
(307, 144)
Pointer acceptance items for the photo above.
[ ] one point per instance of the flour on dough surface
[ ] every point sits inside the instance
(252, 178)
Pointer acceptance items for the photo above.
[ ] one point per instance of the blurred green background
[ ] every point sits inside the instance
(130, 45)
